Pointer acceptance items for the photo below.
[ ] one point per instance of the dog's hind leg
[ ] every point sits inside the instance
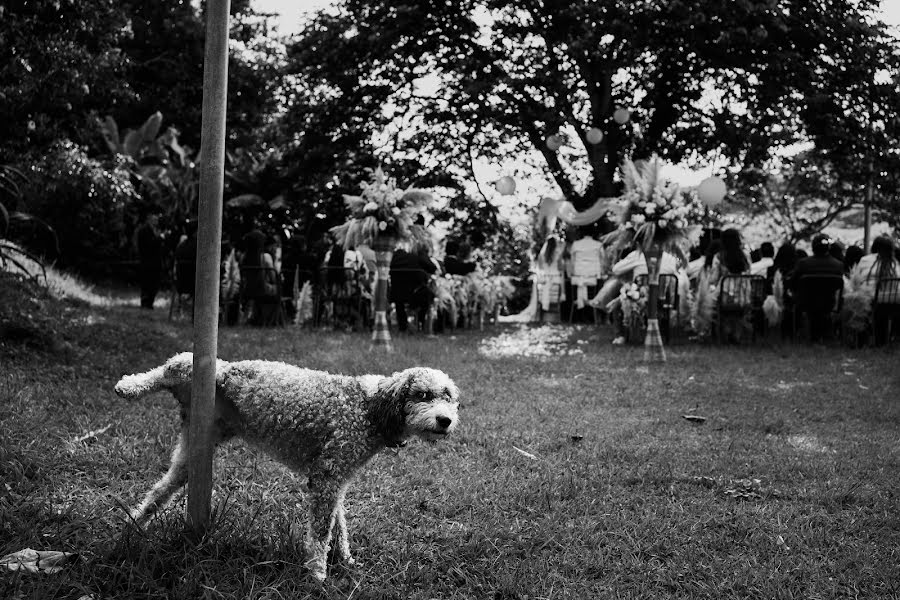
(174, 479)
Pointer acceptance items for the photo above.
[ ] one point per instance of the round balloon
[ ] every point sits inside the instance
(506, 185)
(594, 135)
(712, 190)
(621, 116)
(554, 142)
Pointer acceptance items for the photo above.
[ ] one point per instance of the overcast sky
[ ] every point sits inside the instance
(293, 11)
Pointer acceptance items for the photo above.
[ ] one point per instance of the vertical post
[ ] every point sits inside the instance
(381, 332)
(653, 346)
(209, 250)
(867, 207)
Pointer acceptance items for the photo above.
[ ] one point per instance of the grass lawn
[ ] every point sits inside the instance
(573, 474)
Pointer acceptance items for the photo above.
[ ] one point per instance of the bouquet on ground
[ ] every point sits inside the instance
(656, 212)
(383, 210)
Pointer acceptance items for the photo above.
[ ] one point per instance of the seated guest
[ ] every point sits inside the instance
(410, 276)
(730, 259)
(455, 259)
(817, 300)
(587, 259)
(851, 258)
(836, 250)
(880, 264)
(767, 256)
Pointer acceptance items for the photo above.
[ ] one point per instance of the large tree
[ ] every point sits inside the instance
(732, 77)
(60, 65)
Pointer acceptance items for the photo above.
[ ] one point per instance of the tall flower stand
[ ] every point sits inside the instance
(384, 252)
(653, 345)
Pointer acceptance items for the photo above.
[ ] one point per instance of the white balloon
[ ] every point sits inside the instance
(554, 142)
(712, 190)
(506, 185)
(621, 116)
(594, 135)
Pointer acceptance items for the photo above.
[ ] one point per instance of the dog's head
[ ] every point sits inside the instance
(419, 401)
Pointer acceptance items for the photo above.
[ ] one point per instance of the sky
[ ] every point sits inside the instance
(293, 12)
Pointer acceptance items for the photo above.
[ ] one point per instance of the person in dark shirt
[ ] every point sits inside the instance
(410, 274)
(455, 259)
(186, 259)
(149, 244)
(817, 297)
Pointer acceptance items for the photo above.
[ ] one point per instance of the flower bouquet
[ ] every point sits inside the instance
(382, 211)
(633, 302)
(657, 213)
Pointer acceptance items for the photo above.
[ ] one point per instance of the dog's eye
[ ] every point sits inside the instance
(423, 395)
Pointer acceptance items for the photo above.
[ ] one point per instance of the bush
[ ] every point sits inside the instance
(85, 201)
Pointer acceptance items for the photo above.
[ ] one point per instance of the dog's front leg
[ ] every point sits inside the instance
(343, 539)
(323, 502)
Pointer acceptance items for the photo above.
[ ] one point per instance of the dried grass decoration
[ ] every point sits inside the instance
(383, 211)
(656, 213)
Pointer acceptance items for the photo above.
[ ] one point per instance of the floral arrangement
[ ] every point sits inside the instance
(382, 210)
(464, 294)
(656, 212)
(633, 301)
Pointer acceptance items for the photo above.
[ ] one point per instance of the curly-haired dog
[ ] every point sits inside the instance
(319, 424)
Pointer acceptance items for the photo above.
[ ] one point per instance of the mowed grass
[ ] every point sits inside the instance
(570, 477)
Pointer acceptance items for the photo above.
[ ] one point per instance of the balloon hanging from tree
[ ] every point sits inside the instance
(594, 135)
(506, 185)
(621, 116)
(711, 191)
(656, 219)
(554, 142)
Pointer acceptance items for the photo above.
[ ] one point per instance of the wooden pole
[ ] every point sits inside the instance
(867, 207)
(209, 250)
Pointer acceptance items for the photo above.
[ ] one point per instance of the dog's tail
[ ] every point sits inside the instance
(177, 370)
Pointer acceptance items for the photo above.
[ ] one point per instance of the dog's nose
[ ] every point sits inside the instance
(443, 422)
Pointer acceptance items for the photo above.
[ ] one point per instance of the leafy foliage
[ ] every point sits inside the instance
(805, 194)
(84, 200)
(60, 63)
(699, 76)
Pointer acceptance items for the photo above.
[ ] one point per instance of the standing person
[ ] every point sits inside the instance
(149, 245)
(766, 258)
(410, 276)
(259, 280)
(455, 262)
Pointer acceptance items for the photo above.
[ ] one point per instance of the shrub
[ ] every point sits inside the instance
(85, 201)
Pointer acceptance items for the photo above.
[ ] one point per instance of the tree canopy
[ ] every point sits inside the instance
(737, 78)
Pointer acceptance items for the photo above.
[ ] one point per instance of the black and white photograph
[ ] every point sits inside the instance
(449, 299)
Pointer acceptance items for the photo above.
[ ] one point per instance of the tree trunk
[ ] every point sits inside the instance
(384, 252)
(653, 346)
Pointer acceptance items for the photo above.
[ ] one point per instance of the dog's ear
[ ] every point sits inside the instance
(388, 410)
